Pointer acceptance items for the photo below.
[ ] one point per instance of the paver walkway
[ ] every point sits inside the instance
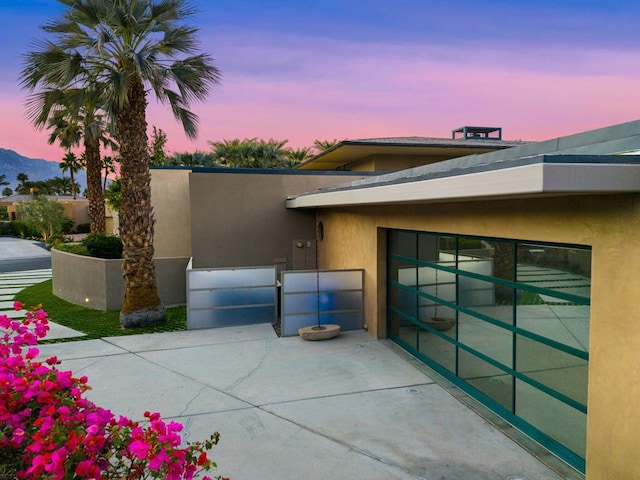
(12, 282)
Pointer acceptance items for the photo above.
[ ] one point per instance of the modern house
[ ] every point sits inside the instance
(511, 273)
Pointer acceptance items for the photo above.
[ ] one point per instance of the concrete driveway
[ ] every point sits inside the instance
(17, 254)
(350, 408)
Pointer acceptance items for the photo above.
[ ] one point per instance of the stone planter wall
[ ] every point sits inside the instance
(97, 282)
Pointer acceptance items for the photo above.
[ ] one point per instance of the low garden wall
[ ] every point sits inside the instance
(97, 282)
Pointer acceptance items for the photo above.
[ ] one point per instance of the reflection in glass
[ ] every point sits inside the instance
(493, 341)
(554, 318)
(552, 417)
(561, 371)
(490, 380)
(561, 269)
(437, 349)
(403, 243)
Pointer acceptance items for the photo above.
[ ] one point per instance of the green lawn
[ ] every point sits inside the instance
(94, 323)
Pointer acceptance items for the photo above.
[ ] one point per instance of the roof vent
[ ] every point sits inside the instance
(477, 133)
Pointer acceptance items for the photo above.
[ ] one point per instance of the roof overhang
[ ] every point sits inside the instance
(352, 150)
(536, 176)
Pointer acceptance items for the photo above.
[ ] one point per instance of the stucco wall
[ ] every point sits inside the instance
(354, 238)
(240, 219)
(97, 283)
(170, 200)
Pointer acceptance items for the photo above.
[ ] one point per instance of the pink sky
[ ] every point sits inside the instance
(302, 88)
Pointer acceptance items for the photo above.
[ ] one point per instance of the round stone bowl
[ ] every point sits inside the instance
(322, 332)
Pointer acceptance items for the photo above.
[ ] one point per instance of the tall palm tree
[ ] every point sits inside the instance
(72, 164)
(123, 48)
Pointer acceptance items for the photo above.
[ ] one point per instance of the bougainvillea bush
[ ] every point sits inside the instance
(48, 430)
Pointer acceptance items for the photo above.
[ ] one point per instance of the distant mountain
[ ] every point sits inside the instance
(12, 163)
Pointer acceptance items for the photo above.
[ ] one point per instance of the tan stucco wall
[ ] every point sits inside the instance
(609, 224)
(170, 200)
(240, 219)
(392, 163)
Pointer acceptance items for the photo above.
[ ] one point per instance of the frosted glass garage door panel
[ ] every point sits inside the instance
(227, 298)
(340, 301)
(343, 280)
(299, 282)
(231, 278)
(300, 303)
(291, 323)
(230, 317)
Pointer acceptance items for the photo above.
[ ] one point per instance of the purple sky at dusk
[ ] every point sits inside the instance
(307, 70)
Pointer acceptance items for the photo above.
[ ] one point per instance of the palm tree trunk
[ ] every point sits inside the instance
(141, 306)
(95, 193)
(73, 184)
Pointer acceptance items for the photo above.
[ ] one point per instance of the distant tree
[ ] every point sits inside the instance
(43, 215)
(60, 186)
(24, 187)
(6, 192)
(157, 155)
(72, 164)
(295, 157)
(22, 177)
(249, 153)
(109, 168)
(113, 195)
(322, 145)
(3, 180)
(192, 159)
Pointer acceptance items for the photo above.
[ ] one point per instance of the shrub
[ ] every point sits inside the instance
(67, 225)
(49, 430)
(75, 248)
(102, 245)
(23, 230)
(5, 228)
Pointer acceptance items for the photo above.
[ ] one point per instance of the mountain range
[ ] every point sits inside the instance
(12, 163)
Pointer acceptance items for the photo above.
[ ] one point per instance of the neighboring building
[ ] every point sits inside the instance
(530, 253)
(75, 209)
(399, 153)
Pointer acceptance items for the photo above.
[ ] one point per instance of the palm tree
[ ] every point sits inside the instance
(72, 115)
(109, 167)
(3, 180)
(72, 164)
(322, 145)
(122, 49)
(296, 157)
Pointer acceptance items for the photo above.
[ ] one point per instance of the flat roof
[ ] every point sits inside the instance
(349, 150)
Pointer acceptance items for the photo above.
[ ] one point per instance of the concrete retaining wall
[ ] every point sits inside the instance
(97, 283)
